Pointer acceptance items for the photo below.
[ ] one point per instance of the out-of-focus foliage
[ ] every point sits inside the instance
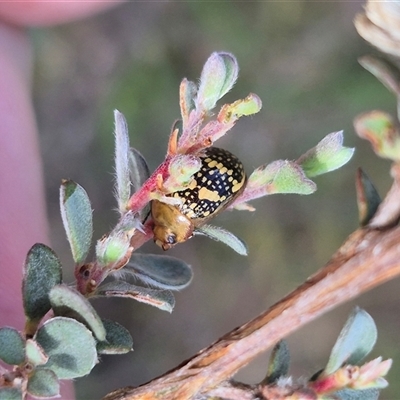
(301, 59)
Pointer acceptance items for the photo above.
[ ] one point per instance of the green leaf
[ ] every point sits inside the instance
(224, 236)
(368, 198)
(164, 272)
(328, 155)
(35, 354)
(380, 130)
(218, 77)
(231, 72)
(229, 113)
(355, 341)
(162, 299)
(67, 302)
(118, 339)
(12, 346)
(42, 271)
(10, 394)
(187, 94)
(278, 364)
(76, 213)
(70, 346)
(281, 176)
(122, 184)
(112, 250)
(43, 383)
(352, 394)
(181, 170)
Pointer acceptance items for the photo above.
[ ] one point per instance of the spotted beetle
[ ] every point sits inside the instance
(220, 180)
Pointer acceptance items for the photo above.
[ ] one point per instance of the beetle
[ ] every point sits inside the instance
(220, 180)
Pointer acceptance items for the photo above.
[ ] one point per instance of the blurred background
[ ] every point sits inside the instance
(301, 59)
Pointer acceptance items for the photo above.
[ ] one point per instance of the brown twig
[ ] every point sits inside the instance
(368, 258)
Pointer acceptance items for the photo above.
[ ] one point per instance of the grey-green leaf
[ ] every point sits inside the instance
(70, 346)
(368, 198)
(10, 394)
(280, 176)
(122, 184)
(161, 271)
(231, 72)
(387, 72)
(67, 302)
(353, 394)
(329, 154)
(278, 363)
(218, 76)
(139, 173)
(12, 346)
(76, 214)
(42, 271)
(43, 383)
(162, 299)
(138, 168)
(355, 341)
(34, 353)
(118, 339)
(224, 236)
(187, 94)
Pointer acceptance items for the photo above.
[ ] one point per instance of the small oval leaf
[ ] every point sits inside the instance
(70, 346)
(35, 354)
(76, 213)
(224, 236)
(217, 77)
(122, 184)
(385, 71)
(280, 176)
(164, 272)
(42, 271)
(353, 394)
(278, 364)
(355, 341)
(138, 168)
(368, 198)
(118, 339)
(67, 302)
(329, 154)
(381, 130)
(139, 173)
(43, 383)
(187, 94)
(12, 346)
(10, 394)
(162, 299)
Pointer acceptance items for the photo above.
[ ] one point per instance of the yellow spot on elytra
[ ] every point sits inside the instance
(223, 170)
(207, 194)
(192, 184)
(237, 185)
(212, 164)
